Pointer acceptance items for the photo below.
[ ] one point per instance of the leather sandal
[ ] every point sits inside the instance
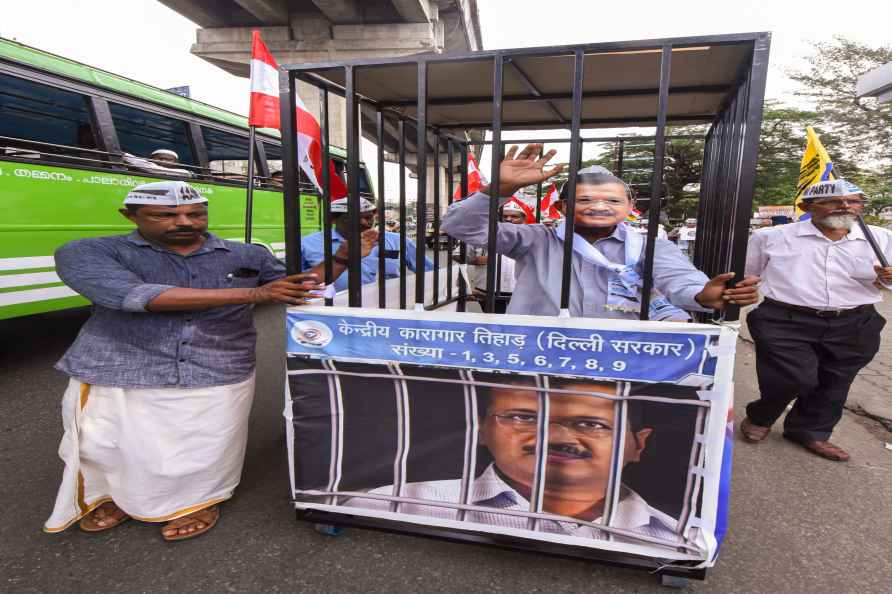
(753, 433)
(824, 449)
(104, 513)
(179, 523)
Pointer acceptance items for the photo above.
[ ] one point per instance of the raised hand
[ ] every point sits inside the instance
(524, 169)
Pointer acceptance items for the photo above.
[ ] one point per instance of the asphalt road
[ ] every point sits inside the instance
(798, 523)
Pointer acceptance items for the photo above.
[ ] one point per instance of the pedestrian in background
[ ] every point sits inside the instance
(817, 326)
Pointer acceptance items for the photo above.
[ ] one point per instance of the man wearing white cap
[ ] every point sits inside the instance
(313, 246)
(607, 257)
(817, 326)
(513, 213)
(162, 374)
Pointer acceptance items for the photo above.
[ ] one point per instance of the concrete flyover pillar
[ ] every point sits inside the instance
(328, 30)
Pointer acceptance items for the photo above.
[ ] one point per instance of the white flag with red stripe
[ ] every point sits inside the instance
(309, 152)
(264, 111)
(476, 179)
(548, 203)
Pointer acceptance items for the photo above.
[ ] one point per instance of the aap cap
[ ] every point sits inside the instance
(165, 153)
(340, 205)
(512, 206)
(165, 193)
(833, 188)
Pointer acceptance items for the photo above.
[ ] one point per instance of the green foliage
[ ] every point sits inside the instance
(863, 126)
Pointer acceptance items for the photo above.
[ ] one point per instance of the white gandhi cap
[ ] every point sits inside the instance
(165, 193)
(340, 205)
(165, 153)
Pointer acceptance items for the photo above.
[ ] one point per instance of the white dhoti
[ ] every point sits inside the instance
(158, 453)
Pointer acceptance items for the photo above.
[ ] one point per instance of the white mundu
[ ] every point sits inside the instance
(799, 265)
(158, 453)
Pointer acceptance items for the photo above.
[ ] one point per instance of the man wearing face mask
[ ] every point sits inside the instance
(578, 458)
(608, 257)
(817, 326)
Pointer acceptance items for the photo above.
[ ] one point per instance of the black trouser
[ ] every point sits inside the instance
(811, 359)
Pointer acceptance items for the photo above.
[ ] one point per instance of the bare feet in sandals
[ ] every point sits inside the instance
(106, 516)
(193, 525)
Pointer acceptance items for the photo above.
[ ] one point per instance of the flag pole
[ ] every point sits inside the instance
(868, 234)
(249, 203)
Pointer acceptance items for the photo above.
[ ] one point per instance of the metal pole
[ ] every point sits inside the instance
(402, 211)
(291, 196)
(421, 196)
(575, 153)
(436, 219)
(354, 252)
(249, 202)
(656, 183)
(498, 63)
(449, 243)
(326, 191)
(382, 215)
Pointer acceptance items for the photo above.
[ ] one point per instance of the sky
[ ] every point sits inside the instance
(146, 41)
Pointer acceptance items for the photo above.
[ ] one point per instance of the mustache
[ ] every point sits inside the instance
(560, 448)
(591, 212)
(183, 230)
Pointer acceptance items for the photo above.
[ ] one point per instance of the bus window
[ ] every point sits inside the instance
(274, 162)
(341, 168)
(141, 132)
(227, 154)
(39, 113)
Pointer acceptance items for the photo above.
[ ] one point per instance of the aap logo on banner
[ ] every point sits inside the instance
(312, 334)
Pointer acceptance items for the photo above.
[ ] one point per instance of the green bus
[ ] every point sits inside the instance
(74, 139)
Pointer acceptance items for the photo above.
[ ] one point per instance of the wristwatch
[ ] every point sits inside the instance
(340, 259)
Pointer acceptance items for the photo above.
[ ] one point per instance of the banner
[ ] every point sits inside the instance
(607, 434)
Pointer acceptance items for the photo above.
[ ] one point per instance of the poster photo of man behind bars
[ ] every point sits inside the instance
(464, 446)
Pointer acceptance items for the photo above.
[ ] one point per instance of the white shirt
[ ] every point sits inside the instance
(507, 280)
(489, 490)
(800, 265)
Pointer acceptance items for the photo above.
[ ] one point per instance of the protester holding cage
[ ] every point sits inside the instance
(607, 260)
(817, 326)
(162, 374)
(313, 247)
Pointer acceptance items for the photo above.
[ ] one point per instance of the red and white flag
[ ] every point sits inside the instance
(476, 179)
(309, 152)
(264, 111)
(548, 203)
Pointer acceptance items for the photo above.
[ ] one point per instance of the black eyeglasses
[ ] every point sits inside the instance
(581, 426)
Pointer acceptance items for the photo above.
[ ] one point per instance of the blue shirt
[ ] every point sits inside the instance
(539, 252)
(312, 249)
(123, 345)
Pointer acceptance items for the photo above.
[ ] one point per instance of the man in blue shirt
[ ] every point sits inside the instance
(607, 259)
(313, 247)
(162, 374)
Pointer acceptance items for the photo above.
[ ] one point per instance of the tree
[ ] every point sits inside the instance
(863, 126)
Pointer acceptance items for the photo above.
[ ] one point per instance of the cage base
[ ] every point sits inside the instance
(612, 558)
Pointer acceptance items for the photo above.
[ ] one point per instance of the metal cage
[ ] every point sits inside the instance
(432, 101)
